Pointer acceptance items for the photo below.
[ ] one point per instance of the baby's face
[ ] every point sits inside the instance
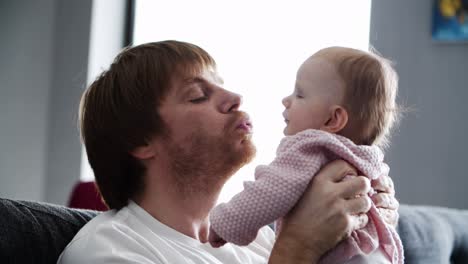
(318, 88)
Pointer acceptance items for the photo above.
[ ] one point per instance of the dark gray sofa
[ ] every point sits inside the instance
(33, 232)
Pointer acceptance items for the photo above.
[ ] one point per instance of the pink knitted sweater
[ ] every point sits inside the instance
(278, 186)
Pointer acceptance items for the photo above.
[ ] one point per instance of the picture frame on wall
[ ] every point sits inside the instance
(450, 21)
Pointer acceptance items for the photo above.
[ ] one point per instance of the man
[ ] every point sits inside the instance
(163, 136)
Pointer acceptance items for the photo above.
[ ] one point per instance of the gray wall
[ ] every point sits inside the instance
(429, 152)
(27, 30)
(71, 42)
(43, 62)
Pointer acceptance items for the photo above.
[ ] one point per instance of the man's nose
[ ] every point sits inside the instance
(231, 102)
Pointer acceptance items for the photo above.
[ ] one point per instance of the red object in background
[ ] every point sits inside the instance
(86, 196)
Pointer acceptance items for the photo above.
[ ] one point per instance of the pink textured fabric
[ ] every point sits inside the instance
(278, 186)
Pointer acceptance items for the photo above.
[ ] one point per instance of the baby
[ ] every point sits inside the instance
(343, 107)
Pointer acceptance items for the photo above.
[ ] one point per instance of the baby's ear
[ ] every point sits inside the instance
(337, 120)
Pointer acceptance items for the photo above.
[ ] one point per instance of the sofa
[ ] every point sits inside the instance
(35, 232)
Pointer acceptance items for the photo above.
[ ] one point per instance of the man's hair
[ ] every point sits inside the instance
(371, 86)
(119, 112)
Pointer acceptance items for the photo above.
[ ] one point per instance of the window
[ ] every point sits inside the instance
(105, 42)
(258, 46)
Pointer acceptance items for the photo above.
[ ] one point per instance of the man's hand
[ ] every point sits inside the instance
(328, 212)
(384, 199)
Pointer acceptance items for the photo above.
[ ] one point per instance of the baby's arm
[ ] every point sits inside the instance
(277, 188)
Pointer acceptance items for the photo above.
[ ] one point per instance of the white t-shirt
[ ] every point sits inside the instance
(131, 235)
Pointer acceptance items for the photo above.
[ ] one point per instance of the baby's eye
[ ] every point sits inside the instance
(299, 96)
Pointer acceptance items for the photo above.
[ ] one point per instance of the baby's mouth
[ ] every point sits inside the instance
(286, 120)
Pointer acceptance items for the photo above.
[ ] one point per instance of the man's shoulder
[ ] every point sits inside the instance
(106, 233)
(103, 223)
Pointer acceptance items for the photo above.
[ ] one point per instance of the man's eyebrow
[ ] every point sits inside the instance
(192, 80)
(186, 84)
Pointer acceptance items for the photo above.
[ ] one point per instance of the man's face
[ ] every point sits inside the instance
(208, 138)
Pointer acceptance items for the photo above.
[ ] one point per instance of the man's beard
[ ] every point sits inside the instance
(204, 163)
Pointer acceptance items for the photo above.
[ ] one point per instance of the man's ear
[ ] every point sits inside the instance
(337, 120)
(143, 152)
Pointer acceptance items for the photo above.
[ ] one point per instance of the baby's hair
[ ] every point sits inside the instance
(371, 86)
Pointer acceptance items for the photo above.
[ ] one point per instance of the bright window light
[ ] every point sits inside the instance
(258, 47)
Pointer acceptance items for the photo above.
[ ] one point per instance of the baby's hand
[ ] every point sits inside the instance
(215, 240)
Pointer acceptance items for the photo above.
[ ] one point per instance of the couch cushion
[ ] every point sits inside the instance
(433, 235)
(33, 232)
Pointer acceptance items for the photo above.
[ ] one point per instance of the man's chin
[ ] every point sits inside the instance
(243, 140)
(204, 164)
(247, 152)
(247, 139)
(232, 162)
(239, 159)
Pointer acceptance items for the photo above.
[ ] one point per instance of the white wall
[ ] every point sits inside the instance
(429, 155)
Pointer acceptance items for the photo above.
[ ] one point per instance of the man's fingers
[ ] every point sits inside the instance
(389, 216)
(337, 170)
(355, 186)
(383, 184)
(358, 205)
(358, 221)
(385, 200)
